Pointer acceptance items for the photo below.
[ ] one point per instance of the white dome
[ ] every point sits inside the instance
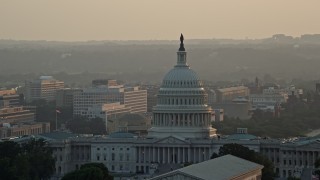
(182, 108)
(181, 77)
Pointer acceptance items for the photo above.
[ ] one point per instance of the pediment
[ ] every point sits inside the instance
(171, 140)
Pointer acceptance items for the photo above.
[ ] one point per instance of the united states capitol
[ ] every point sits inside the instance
(181, 133)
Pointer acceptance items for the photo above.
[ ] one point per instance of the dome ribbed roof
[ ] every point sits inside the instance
(181, 77)
(181, 74)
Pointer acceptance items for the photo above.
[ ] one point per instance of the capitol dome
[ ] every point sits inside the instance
(182, 109)
(181, 77)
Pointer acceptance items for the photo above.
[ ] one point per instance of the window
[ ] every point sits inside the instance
(113, 156)
(98, 158)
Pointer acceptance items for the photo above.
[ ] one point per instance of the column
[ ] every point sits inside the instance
(149, 154)
(202, 119)
(158, 150)
(179, 159)
(184, 155)
(144, 154)
(138, 157)
(163, 157)
(169, 155)
(173, 155)
(199, 153)
(194, 120)
(189, 154)
(194, 155)
(154, 154)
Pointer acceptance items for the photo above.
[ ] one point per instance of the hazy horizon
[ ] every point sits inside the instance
(156, 20)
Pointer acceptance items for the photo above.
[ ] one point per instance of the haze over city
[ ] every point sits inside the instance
(75, 20)
(159, 89)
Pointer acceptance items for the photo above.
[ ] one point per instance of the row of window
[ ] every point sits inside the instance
(98, 149)
(182, 101)
(182, 83)
(122, 157)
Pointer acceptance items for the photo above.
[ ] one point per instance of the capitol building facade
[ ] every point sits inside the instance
(181, 133)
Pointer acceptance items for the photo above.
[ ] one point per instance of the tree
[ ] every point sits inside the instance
(250, 155)
(40, 159)
(317, 166)
(83, 125)
(97, 171)
(30, 161)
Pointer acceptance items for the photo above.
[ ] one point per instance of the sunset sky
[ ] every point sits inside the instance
(81, 20)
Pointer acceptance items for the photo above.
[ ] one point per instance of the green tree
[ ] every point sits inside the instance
(250, 155)
(317, 166)
(97, 171)
(83, 125)
(30, 161)
(40, 159)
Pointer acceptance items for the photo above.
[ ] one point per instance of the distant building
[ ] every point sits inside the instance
(107, 112)
(230, 93)
(268, 99)
(272, 96)
(237, 108)
(133, 123)
(152, 92)
(255, 87)
(135, 99)
(20, 121)
(9, 98)
(104, 82)
(43, 88)
(22, 129)
(227, 167)
(132, 97)
(65, 96)
(218, 115)
(16, 115)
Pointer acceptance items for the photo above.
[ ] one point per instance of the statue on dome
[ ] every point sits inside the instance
(181, 43)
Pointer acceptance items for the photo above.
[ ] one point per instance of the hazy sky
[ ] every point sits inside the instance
(78, 20)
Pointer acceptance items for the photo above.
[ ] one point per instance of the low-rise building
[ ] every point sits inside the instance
(230, 93)
(268, 99)
(16, 115)
(132, 97)
(23, 129)
(227, 167)
(9, 98)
